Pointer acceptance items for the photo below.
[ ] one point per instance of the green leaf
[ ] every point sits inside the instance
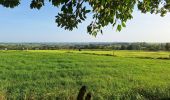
(123, 24)
(119, 28)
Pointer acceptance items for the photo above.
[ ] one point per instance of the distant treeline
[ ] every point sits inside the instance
(79, 46)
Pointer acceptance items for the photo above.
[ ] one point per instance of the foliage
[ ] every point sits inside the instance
(104, 12)
(99, 46)
(167, 46)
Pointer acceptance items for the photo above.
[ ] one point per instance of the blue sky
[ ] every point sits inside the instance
(25, 25)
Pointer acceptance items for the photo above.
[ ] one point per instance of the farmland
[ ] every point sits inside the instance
(59, 74)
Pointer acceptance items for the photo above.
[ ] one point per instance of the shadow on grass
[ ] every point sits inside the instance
(113, 55)
(137, 93)
(134, 94)
(144, 94)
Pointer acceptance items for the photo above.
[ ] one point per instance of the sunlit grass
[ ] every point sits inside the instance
(126, 53)
(58, 74)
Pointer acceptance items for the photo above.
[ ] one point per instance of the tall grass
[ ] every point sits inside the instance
(59, 75)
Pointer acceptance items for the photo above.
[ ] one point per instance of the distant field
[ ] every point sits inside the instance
(118, 53)
(109, 75)
(126, 53)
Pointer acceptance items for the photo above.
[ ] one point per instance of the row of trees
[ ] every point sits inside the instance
(146, 46)
(101, 46)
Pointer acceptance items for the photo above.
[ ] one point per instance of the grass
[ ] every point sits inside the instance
(126, 53)
(59, 75)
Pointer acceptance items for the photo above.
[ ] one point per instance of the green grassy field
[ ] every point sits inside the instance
(58, 75)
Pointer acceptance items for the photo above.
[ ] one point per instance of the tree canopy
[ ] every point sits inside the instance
(104, 12)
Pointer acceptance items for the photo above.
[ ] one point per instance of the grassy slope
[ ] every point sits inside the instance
(51, 74)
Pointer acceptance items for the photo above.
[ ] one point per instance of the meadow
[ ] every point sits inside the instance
(109, 75)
